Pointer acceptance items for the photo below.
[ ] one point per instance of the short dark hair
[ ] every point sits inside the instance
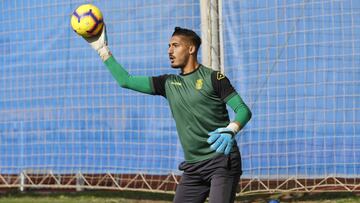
(191, 35)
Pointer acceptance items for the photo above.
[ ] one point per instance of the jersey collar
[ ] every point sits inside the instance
(196, 69)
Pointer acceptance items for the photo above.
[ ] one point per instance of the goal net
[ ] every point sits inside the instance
(296, 64)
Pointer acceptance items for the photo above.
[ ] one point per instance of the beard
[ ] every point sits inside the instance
(176, 66)
(176, 63)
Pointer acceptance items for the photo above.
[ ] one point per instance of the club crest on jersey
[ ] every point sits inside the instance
(219, 76)
(199, 83)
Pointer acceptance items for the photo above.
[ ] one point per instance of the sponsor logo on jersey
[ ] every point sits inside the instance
(219, 76)
(199, 83)
(176, 83)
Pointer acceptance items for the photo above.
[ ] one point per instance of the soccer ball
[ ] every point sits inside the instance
(87, 20)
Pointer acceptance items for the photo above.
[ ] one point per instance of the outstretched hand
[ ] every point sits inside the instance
(99, 43)
(221, 140)
(98, 40)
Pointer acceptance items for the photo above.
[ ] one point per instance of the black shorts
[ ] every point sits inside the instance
(216, 178)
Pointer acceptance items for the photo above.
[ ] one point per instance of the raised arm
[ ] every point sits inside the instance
(124, 79)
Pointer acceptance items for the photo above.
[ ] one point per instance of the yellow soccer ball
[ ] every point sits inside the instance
(87, 20)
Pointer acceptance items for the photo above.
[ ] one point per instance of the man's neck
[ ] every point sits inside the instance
(190, 67)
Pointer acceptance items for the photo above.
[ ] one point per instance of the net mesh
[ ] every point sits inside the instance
(65, 123)
(295, 63)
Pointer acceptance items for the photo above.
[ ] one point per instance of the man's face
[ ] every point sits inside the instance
(179, 51)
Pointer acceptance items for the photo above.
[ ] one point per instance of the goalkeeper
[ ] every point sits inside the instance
(197, 97)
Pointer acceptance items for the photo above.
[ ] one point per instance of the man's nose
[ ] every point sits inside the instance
(170, 50)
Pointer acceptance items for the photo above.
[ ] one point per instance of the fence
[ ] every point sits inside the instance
(65, 123)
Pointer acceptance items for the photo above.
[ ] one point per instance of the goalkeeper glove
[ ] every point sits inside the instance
(99, 44)
(222, 139)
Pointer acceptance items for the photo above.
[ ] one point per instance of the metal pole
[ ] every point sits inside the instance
(22, 170)
(210, 33)
(205, 32)
(215, 45)
(221, 37)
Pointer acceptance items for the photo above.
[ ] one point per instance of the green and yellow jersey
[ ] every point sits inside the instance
(197, 101)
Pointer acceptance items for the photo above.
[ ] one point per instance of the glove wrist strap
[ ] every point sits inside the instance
(104, 53)
(233, 127)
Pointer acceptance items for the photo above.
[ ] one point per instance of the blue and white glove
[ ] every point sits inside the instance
(99, 43)
(222, 139)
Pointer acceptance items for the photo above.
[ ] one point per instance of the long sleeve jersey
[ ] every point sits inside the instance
(197, 101)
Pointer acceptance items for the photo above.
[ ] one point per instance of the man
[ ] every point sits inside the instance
(197, 99)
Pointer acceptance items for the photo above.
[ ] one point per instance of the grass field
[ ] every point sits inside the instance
(147, 197)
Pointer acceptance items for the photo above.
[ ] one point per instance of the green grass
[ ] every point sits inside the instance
(330, 197)
(84, 197)
(148, 197)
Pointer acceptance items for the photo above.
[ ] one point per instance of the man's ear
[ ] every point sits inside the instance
(192, 49)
